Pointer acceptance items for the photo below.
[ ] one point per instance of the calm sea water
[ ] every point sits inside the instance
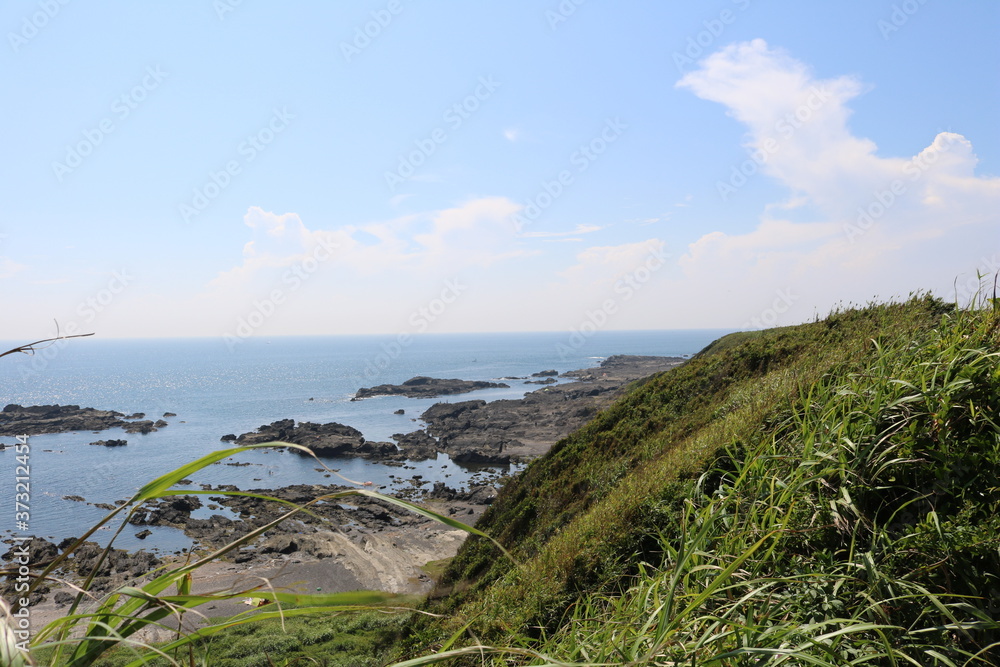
(215, 390)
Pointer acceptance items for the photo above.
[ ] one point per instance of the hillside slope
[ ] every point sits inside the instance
(818, 494)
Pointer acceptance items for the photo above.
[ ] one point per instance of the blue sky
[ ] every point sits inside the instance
(232, 168)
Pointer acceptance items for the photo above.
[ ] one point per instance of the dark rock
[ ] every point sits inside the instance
(442, 411)
(79, 499)
(545, 381)
(111, 443)
(331, 439)
(229, 437)
(442, 492)
(143, 534)
(137, 415)
(427, 387)
(417, 446)
(142, 427)
(282, 544)
(169, 414)
(40, 552)
(482, 495)
(63, 598)
(160, 423)
(518, 430)
(171, 511)
(39, 419)
(401, 411)
(545, 374)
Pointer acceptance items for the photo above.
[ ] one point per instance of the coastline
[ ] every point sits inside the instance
(367, 544)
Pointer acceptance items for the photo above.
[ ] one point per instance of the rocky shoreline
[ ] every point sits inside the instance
(41, 419)
(368, 542)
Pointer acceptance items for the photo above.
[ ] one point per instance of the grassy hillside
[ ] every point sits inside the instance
(819, 494)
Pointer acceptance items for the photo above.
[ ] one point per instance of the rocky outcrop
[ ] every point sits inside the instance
(38, 419)
(416, 446)
(117, 567)
(110, 443)
(519, 430)
(478, 495)
(427, 387)
(333, 439)
(170, 511)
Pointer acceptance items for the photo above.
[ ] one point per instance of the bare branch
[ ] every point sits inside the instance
(30, 348)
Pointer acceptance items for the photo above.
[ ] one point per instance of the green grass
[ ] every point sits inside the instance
(336, 640)
(822, 494)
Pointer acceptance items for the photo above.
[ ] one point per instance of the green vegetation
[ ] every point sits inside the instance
(349, 640)
(822, 494)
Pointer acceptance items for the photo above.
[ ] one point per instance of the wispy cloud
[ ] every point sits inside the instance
(578, 230)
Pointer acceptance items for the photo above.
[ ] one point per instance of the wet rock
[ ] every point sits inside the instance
(416, 446)
(142, 427)
(110, 443)
(39, 419)
(333, 439)
(427, 387)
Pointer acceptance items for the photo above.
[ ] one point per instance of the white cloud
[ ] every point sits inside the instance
(881, 226)
(579, 229)
(599, 267)
(439, 243)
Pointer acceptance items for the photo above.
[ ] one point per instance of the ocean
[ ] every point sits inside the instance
(217, 388)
